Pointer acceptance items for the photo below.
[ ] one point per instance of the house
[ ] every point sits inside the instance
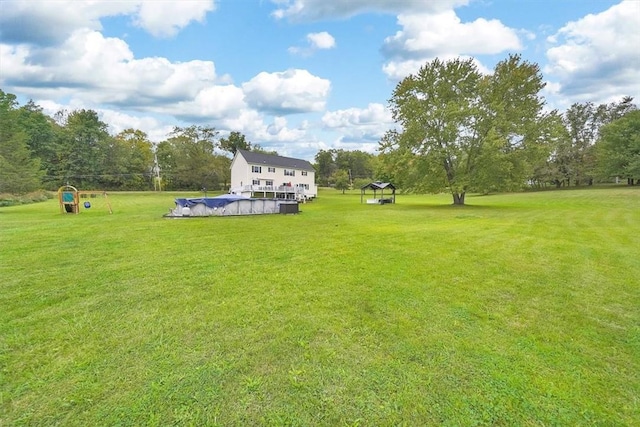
(266, 175)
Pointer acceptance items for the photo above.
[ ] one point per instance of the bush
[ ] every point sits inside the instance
(23, 199)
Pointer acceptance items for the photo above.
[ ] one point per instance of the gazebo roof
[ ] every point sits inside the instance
(377, 185)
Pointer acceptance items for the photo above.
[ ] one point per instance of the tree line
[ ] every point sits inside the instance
(76, 148)
(459, 131)
(42, 152)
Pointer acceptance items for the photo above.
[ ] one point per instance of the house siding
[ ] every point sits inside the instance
(242, 174)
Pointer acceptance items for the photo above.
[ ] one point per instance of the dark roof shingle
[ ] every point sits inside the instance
(271, 160)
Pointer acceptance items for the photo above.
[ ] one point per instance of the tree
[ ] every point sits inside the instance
(19, 170)
(573, 159)
(82, 149)
(356, 163)
(462, 131)
(340, 180)
(41, 138)
(234, 142)
(257, 148)
(325, 166)
(129, 161)
(188, 161)
(618, 150)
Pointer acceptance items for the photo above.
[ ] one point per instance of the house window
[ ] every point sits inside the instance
(256, 169)
(305, 186)
(256, 182)
(272, 170)
(304, 173)
(288, 172)
(269, 183)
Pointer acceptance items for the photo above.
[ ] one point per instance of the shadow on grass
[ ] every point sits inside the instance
(456, 208)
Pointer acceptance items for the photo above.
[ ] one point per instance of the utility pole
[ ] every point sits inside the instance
(157, 180)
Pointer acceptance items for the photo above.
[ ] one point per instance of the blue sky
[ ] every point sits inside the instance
(297, 76)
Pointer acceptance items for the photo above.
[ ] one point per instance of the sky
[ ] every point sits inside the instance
(297, 76)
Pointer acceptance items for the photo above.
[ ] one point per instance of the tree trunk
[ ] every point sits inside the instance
(458, 198)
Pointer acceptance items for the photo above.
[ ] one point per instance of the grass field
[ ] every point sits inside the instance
(519, 309)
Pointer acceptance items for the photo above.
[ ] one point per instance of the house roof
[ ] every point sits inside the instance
(271, 160)
(379, 185)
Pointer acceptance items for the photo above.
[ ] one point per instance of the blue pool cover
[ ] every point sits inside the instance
(211, 202)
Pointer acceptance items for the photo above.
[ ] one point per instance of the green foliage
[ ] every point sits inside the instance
(20, 172)
(41, 135)
(325, 167)
(8, 199)
(188, 159)
(573, 160)
(234, 142)
(129, 161)
(462, 131)
(356, 164)
(340, 180)
(358, 183)
(619, 148)
(516, 310)
(83, 149)
(259, 149)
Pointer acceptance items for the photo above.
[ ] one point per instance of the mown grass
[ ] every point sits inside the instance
(518, 309)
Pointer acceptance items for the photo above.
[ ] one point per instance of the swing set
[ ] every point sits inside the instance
(69, 198)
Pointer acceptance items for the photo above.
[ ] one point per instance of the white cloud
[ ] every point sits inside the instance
(118, 121)
(324, 9)
(426, 36)
(596, 58)
(374, 115)
(321, 40)
(46, 22)
(166, 18)
(104, 70)
(291, 91)
(316, 41)
(211, 103)
(397, 70)
(278, 130)
(359, 125)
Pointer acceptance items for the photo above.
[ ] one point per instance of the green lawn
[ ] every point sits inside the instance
(519, 309)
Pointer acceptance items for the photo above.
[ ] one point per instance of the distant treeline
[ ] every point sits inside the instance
(75, 147)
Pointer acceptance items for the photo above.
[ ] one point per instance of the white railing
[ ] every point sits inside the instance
(273, 189)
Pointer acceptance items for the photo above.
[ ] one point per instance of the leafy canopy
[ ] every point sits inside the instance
(619, 147)
(464, 131)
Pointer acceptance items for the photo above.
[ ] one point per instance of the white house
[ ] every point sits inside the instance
(265, 175)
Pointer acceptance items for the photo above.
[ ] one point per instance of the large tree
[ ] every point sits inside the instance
(464, 131)
(188, 160)
(19, 170)
(618, 150)
(129, 161)
(82, 150)
(340, 180)
(324, 166)
(41, 139)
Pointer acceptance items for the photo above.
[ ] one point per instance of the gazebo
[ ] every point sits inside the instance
(378, 186)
